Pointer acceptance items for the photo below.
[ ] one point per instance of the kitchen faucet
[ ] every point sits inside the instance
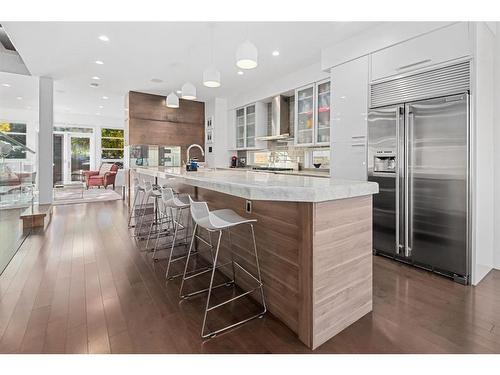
(189, 149)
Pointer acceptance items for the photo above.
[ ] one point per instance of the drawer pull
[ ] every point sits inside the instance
(414, 64)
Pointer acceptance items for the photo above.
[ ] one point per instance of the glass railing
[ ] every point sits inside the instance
(17, 193)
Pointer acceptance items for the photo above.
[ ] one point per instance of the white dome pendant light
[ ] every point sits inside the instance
(246, 55)
(172, 100)
(188, 91)
(211, 76)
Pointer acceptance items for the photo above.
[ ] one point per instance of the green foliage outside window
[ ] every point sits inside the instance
(112, 143)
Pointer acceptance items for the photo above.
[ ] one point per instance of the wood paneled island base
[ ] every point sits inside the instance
(315, 258)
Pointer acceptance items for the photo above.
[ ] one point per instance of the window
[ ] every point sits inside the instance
(112, 142)
(17, 132)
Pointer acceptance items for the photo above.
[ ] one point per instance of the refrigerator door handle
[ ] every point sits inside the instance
(409, 173)
(397, 166)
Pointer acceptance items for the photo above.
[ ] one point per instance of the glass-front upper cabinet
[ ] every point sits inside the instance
(323, 113)
(250, 128)
(304, 110)
(251, 124)
(312, 114)
(240, 128)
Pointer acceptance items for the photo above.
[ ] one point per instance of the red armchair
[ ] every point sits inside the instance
(105, 176)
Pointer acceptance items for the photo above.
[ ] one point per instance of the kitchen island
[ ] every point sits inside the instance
(314, 239)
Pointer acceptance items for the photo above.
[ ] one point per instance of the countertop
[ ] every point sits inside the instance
(266, 186)
(307, 172)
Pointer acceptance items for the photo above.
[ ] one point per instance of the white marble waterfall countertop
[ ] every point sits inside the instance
(265, 186)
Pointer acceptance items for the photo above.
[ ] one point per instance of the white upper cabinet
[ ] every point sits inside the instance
(312, 114)
(250, 124)
(449, 43)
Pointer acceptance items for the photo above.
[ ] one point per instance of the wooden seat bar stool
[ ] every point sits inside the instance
(219, 221)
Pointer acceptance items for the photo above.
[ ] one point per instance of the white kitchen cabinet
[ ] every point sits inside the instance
(312, 114)
(449, 43)
(250, 124)
(348, 119)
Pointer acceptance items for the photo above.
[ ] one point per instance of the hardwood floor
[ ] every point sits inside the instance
(83, 287)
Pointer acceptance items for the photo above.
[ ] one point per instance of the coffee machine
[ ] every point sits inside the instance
(234, 161)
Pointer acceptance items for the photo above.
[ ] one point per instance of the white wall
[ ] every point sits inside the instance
(220, 156)
(483, 130)
(496, 256)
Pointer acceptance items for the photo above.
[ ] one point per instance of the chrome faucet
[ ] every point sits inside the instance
(189, 149)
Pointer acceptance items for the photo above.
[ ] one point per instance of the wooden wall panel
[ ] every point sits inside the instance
(150, 122)
(342, 265)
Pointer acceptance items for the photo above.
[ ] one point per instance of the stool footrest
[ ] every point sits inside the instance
(205, 290)
(234, 298)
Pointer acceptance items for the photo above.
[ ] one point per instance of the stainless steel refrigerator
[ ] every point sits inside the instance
(418, 153)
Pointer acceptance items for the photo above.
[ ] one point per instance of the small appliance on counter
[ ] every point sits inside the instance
(192, 166)
(242, 162)
(234, 161)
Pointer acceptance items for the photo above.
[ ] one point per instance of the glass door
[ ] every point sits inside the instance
(79, 158)
(250, 126)
(58, 163)
(323, 113)
(305, 116)
(240, 128)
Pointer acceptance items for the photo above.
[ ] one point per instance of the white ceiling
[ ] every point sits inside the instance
(174, 52)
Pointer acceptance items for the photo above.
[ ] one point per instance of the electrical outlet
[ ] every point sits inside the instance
(248, 207)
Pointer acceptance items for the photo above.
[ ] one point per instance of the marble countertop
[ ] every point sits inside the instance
(266, 186)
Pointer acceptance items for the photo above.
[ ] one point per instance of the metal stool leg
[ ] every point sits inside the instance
(181, 295)
(207, 306)
(258, 271)
(136, 193)
(176, 225)
(232, 254)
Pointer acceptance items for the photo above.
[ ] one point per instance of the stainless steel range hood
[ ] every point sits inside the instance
(280, 122)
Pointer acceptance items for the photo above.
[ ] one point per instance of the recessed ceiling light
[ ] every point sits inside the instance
(105, 97)
(98, 113)
(19, 98)
(96, 78)
(28, 107)
(156, 80)
(179, 92)
(103, 38)
(99, 62)
(101, 106)
(6, 84)
(276, 53)
(94, 85)
(240, 72)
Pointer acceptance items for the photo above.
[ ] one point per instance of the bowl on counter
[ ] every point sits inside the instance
(317, 165)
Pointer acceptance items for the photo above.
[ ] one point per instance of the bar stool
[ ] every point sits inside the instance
(155, 195)
(179, 203)
(219, 221)
(138, 189)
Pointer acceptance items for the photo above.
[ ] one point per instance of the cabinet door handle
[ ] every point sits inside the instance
(414, 64)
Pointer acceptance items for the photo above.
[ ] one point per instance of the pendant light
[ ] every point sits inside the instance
(246, 55)
(172, 100)
(188, 91)
(211, 76)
